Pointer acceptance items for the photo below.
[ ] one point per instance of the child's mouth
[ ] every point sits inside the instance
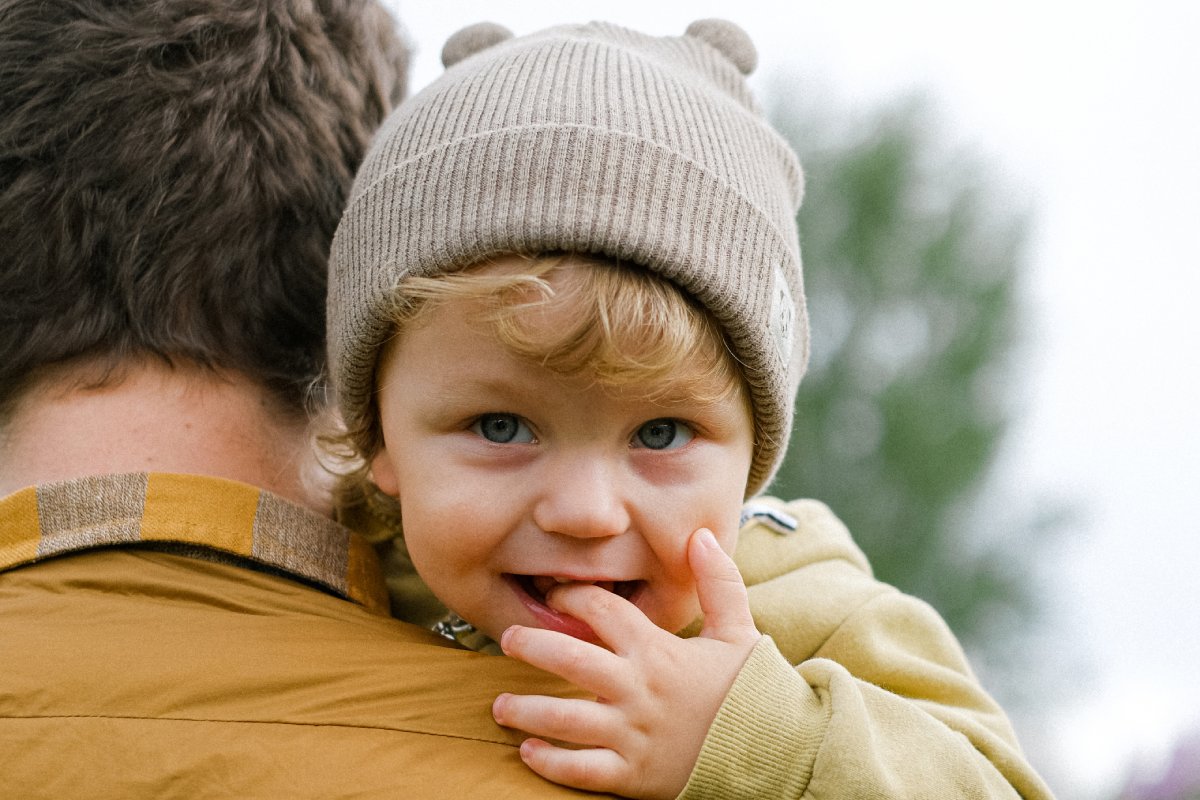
(538, 586)
(534, 588)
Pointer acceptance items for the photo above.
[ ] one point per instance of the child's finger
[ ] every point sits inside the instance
(617, 622)
(594, 770)
(580, 722)
(588, 666)
(720, 589)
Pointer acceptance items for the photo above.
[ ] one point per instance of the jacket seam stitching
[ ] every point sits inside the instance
(132, 717)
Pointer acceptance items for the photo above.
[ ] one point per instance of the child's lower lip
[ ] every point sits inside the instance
(548, 618)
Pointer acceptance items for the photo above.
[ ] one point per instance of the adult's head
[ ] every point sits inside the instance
(171, 174)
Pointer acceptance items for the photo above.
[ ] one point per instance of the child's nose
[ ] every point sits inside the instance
(583, 499)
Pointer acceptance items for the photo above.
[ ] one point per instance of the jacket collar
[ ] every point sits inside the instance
(214, 514)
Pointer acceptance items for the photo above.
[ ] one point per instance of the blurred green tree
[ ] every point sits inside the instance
(913, 257)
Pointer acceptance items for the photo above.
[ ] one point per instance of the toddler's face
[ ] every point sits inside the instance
(512, 478)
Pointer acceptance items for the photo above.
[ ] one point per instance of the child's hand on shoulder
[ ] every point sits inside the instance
(657, 694)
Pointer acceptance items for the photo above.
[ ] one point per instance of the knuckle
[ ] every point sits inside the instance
(574, 659)
(586, 773)
(730, 576)
(559, 718)
(601, 602)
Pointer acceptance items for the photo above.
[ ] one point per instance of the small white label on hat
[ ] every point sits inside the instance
(783, 315)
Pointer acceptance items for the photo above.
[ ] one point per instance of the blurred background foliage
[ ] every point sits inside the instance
(915, 259)
(914, 253)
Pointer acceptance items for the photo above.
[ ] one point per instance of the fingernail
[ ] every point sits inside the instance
(498, 708)
(708, 540)
(505, 637)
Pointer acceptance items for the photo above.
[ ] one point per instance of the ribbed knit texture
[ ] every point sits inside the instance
(596, 139)
(744, 754)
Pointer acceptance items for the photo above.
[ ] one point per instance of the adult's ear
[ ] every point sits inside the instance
(383, 473)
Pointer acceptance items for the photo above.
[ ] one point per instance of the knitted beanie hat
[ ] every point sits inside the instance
(594, 139)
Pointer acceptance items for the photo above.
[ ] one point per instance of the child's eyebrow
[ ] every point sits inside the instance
(470, 389)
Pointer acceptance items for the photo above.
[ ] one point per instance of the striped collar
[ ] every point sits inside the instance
(222, 515)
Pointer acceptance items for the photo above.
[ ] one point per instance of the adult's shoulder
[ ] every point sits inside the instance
(131, 672)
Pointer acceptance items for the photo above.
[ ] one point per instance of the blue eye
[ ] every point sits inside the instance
(503, 429)
(663, 434)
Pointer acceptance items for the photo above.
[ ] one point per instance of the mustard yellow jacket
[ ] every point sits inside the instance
(142, 657)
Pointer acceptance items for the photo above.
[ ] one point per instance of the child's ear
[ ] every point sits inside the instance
(383, 473)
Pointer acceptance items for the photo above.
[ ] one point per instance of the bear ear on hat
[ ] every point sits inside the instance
(733, 42)
(471, 40)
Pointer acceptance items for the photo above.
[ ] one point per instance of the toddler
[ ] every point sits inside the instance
(567, 324)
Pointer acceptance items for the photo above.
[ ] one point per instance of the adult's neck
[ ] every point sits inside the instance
(153, 417)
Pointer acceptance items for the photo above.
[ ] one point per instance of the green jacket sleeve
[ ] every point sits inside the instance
(857, 690)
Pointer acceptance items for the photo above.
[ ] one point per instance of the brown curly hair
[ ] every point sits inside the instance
(171, 174)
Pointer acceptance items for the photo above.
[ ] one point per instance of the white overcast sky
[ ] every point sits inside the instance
(1096, 106)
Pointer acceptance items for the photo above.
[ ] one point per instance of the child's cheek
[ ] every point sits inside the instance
(727, 537)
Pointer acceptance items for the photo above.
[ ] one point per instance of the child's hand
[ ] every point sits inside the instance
(657, 693)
